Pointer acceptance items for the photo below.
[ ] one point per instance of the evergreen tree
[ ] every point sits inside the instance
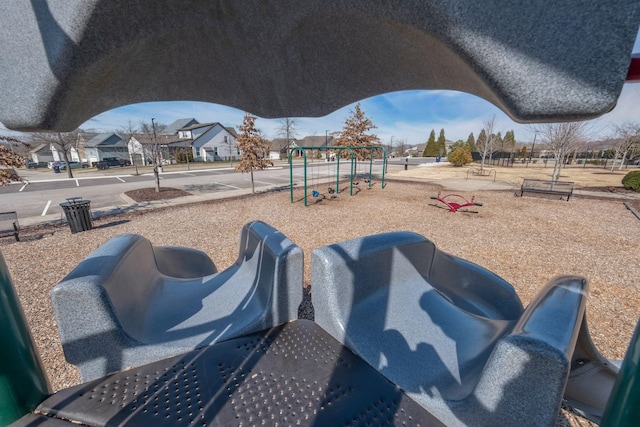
(482, 139)
(460, 157)
(471, 143)
(431, 149)
(442, 146)
(253, 148)
(354, 134)
(459, 144)
(509, 140)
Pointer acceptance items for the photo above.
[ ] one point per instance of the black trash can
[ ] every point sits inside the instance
(78, 214)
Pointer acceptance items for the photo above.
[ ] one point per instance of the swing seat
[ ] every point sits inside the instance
(315, 193)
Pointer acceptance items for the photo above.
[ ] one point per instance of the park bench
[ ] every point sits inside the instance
(9, 225)
(562, 188)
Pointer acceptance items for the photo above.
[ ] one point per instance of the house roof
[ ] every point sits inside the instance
(281, 143)
(87, 136)
(315, 141)
(199, 125)
(177, 125)
(104, 139)
(40, 148)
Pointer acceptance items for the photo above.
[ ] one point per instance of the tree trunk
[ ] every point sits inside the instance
(66, 161)
(624, 158)
(557, 168)
(253, 191)
(156, 174)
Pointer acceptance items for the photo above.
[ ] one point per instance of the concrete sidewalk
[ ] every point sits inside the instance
(458, 185)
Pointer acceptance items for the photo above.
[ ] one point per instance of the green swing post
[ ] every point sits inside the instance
(338, 150)
(304, 155)
(370, 166)
(23, 383)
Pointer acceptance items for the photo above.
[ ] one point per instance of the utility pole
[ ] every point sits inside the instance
(156, 154)
(535, 134)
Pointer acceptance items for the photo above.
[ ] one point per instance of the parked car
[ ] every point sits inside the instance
(107, 162)
(73, 165)
(35, 165)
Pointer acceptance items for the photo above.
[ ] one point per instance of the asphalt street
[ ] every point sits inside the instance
(43, 190)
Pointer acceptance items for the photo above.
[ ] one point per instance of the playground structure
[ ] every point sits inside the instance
(477, 346)
(65, 70)
(454, 202)
(337, 151)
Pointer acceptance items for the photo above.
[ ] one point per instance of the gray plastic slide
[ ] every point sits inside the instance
(130, 303)
(451, 334)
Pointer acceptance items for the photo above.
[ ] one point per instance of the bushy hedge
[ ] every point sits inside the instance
(631, 181)
(460, 157)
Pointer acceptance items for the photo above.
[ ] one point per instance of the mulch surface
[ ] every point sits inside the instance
(150, 194)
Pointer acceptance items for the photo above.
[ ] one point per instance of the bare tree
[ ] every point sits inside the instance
(232, 146)
(62, 142)
(9, 158)
(562, 139)
(401, 145)
(128, 135)
(486, 142)
(253, 148)
(287, 130)
(629, 141)
(148, 138)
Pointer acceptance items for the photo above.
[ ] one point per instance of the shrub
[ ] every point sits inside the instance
(631, 181)
(460, 157)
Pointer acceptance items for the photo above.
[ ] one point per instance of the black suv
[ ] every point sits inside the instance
(107, 162)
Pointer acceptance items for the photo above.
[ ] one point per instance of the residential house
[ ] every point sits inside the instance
(279, 148)
(208, 142)
(105, 145)
(175, 131)
(42, 153)
(52, 152)
(81, 142)
(316, 144)
(415, 151)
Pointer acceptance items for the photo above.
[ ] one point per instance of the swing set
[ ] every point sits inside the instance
(334, 191)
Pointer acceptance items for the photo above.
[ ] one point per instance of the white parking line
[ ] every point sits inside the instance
(260, 182)
(188, 174)
(23, 187)
(77, 183)
(46, 208)
(227, 185)
(120, 179)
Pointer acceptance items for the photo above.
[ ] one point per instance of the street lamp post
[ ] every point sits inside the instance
(326, 144)
(535, 134)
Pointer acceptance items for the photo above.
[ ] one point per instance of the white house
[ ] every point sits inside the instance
(209, 142)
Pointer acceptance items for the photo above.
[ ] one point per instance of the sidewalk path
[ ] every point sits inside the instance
(460, 185)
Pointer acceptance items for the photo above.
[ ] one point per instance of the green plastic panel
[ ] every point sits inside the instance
(23, 383)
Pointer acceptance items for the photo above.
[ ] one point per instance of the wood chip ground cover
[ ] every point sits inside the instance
(525, 240)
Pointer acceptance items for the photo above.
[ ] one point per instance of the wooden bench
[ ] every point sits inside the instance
(562, 188)
(9, 225)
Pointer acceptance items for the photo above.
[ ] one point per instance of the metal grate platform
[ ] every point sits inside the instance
(294, 374)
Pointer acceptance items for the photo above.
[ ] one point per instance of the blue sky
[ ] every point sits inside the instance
(408, 115)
